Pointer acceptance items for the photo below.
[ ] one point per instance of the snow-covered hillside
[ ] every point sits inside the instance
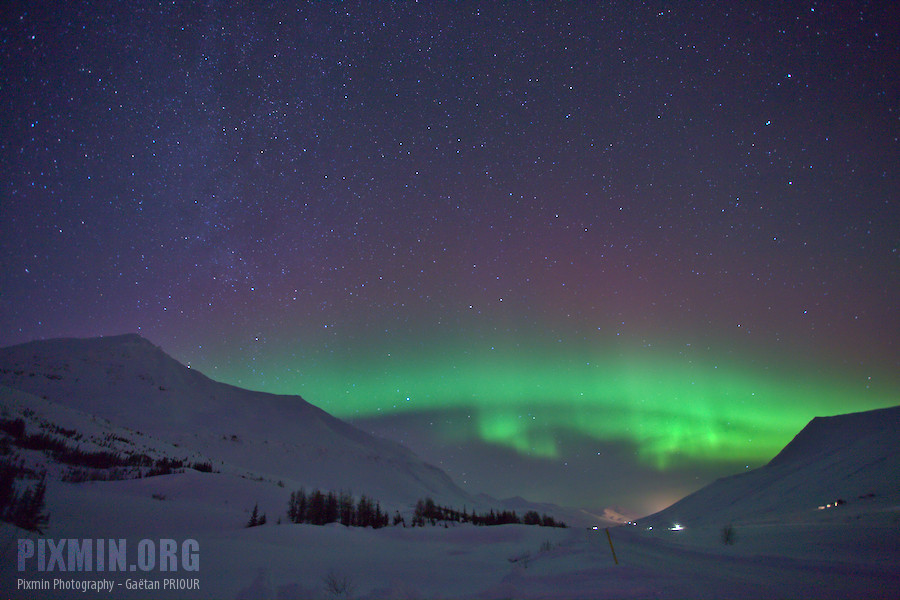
(125, 396)
(134, 384)
(850, 462)
(132, 453)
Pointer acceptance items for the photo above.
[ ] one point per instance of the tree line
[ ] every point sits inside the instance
(321, 508)
(429, 512)
(105, 460)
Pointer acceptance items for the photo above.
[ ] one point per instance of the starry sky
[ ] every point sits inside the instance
(590, 253)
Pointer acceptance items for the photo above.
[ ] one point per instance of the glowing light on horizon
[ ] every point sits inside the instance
(673, 408)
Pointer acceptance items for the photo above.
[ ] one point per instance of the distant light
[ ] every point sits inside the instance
(676, 527)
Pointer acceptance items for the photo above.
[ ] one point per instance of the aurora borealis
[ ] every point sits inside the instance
(674, 404)
(589, 253)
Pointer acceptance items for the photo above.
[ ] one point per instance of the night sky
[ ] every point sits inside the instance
(591, 253)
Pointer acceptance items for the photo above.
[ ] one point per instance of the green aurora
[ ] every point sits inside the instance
(675, 406)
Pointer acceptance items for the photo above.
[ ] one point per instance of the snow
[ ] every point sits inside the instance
(784, 547)
(462, 561)
(136, 386)
(854, 458)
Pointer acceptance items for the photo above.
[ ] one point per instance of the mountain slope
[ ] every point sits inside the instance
(854, 458)
(136, 385)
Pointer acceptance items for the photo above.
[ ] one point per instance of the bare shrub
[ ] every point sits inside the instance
(338, 585)
(728, 535)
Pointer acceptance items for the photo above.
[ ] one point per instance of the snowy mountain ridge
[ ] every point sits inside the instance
(85, 391)
(133, 384)
(144, 394)
(850, 462)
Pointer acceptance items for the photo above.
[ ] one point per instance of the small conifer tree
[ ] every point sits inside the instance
(254, 517)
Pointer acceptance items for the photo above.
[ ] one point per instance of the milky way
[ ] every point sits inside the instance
(545, 231)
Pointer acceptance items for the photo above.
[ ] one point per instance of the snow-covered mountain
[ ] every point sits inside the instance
(842, 464)
(95, 394)
(135, 385)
